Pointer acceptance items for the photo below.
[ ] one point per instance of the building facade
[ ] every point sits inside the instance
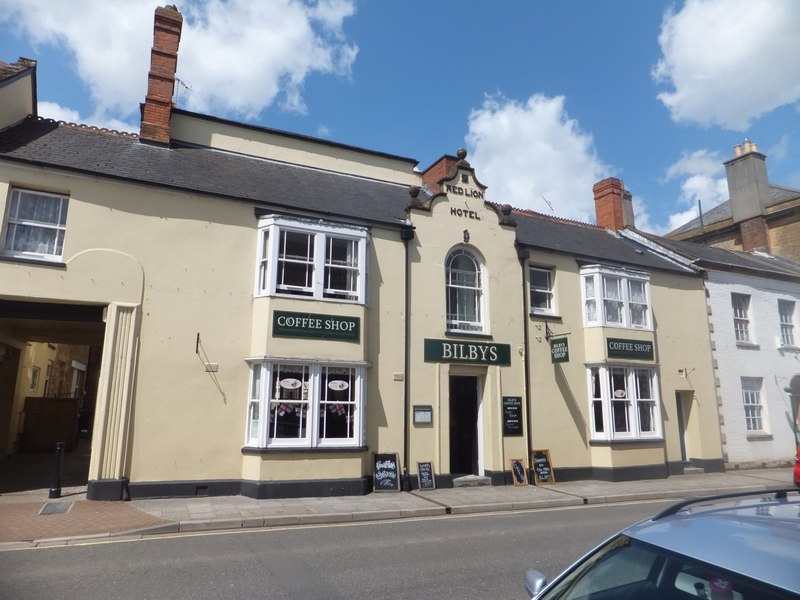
(758, 215)
(281, 316)
(753, 315)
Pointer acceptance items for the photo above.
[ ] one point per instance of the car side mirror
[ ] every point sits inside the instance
(534, 582)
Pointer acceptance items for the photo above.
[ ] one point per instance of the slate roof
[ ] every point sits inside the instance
(10, 70)
(712, 257)
(276, 185)
(587, 242)
(723, 211)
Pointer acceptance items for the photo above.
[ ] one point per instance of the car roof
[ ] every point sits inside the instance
(755, 534)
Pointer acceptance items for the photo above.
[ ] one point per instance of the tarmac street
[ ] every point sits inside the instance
(30, 519)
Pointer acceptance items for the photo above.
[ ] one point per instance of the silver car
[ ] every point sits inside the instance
(743, 546)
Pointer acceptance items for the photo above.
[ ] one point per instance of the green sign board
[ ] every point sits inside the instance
(476, 353)
(311, 325)
(621, 348)
(559, 350)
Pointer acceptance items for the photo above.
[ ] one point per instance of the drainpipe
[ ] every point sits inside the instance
(406, 234)
(523, 256)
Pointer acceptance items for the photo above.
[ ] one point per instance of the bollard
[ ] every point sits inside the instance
(55, 489)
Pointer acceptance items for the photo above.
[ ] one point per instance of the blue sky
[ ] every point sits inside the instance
(547, 97)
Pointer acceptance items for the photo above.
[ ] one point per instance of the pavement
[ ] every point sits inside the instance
(30, 519)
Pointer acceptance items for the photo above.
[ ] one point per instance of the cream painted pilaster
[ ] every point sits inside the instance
(115, 393)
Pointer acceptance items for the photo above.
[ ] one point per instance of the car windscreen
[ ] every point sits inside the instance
(627, 569)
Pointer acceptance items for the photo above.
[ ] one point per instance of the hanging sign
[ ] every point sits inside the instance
(559, 350)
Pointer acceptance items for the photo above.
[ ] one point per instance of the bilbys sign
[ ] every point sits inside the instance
(447, 351)
(311, 325)
(621, 348)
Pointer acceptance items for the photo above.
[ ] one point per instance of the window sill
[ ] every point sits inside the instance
(252, 450)
(467, 334)
(34, 261)
(547, 316)
(658, 441)
(793, 349)
(759, 436)
(748, 346)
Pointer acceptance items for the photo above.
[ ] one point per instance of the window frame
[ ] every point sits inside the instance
(786, 321)
(273, 258)
(453, 323)
(261, 424)
(606, 407)
(753, 405)
(13, 223)
(740, 308)
(548, 292)
(598, 299)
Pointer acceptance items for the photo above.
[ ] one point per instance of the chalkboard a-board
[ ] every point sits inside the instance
(542, 467)
(518, 474)
(385, 473)
(427, 479)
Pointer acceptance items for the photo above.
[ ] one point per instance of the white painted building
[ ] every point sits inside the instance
(757, 352)
(753, 303)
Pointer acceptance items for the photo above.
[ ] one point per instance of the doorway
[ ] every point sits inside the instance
(463, 425)
(683, 402)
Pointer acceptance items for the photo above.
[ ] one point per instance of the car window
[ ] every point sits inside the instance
(625, 569)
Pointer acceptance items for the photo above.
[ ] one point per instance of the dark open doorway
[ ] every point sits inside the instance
(463, 425)
(49, 367)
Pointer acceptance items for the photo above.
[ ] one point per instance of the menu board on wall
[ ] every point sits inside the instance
(512, 415)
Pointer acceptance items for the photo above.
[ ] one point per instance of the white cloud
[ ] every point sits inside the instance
(240, 56)
(702, 180)
(729, 61)
(237, 56)
(52, 110)
(531, 154)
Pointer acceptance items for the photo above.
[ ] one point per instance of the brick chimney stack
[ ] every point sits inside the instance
(161, 79)
(613, 204)
(441, 169)
(748, 187)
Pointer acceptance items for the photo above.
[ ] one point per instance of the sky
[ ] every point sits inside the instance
(547, 97)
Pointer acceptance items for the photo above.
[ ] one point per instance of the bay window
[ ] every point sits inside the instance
(35, 224)
(307, 259)
(623, 403)
(616, 297)
(305, 405)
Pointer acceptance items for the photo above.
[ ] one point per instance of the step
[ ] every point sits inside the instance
(471, 481)
(693, 470)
